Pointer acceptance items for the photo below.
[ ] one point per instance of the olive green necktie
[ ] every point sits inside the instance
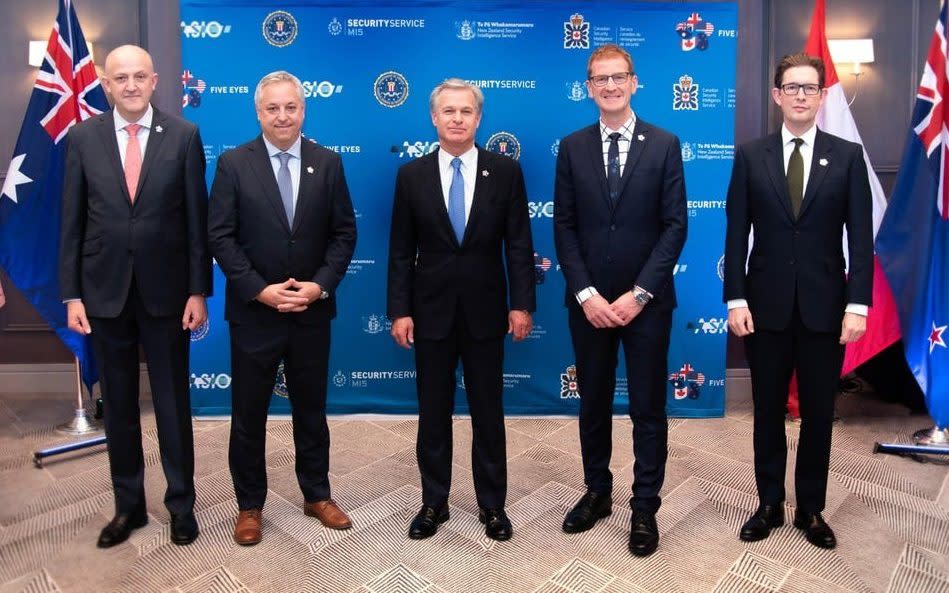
(796, 177)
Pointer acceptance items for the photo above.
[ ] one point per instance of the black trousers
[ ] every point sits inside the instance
(772, 357)
(256, 352)
(646, 348)
(482, 361)
(166, 346)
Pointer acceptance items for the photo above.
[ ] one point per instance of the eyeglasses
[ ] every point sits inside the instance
(618, 78)
(792, 88)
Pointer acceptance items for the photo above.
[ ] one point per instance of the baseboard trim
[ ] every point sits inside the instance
(49, 378)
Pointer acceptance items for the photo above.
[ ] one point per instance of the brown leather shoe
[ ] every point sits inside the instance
(247, 528)
(328, 513)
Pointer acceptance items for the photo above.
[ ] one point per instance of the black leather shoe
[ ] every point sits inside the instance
(426, 522)
(184, 529)
(496, 524)
(815, 529)
(643, 533)
(592, 507)
(760, 524)
(120, 528)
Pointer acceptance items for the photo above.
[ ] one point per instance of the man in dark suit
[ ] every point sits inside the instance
(619, 226)
(282, 228)
(793, 304)
(455, 211)
(135, 269)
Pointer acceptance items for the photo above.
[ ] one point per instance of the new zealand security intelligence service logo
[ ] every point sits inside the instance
(694, 32)
(577, 91)
(569, 388)
(335, 27)
(391, 89)
(541, 265)
(280, 28)
(201, 332)
(192, 89)
(375, 324)
(464, 31)
(687, 153)
(576, 33)
(685, 94)
(504, 143)
(280, 384)
(686, 382)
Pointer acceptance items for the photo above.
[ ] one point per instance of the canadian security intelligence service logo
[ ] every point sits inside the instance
(339, 379)
(280, 384)
(577, 92)
(280, 28)
(685, 94)
(464, 30)
(504, 143)
(335, 27)
(576, 33)
(201, 332)
(569, 388)
(541, 265)
(686, 382)
(687, 153)
(391, 89)
(192, 89)
(694, 33)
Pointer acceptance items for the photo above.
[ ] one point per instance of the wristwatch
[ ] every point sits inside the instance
(641, 296)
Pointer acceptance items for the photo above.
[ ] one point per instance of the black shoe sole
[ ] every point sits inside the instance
(438, 521)
(600, 515)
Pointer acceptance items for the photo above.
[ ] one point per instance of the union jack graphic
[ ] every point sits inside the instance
(66, 92)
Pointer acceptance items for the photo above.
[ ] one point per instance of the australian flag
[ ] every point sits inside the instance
(913, 242)
(66, 91)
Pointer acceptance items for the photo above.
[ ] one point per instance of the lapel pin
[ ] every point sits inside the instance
(159, 129)
(484, 173)
(309, 170)
(822, 162)
(641, 137)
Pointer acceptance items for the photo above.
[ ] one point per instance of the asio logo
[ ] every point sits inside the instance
(569, 387)
(210, 381)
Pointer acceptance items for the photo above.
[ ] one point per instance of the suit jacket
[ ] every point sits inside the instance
(160, 239)
(799, 259)
(430, 274)
(635, 242)
(254, 244)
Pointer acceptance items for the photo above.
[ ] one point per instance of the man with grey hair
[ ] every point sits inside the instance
(448, 296)
(282, 228)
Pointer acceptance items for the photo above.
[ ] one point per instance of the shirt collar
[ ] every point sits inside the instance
(293, 151)
(145, 121)
(625, 130)
(808, 136)
(469, 159)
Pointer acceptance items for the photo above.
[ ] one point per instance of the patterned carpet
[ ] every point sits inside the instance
(891, 515)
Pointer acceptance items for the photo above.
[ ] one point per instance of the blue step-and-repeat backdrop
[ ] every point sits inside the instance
(367, 70)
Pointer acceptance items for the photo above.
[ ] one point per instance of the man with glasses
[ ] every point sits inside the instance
(282, 228)
(619, 226)
(793, 303)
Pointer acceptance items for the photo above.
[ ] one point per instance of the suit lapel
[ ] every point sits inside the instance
(155, 136)
(774, 162)
(307, 191)
(106, 127)
(821, 154)
(483, 189)
(637, 145)
(260, 163)
(595, 151)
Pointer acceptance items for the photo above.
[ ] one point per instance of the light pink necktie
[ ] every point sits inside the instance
(133, 160)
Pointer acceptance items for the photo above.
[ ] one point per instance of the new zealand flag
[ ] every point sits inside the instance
(913, 242)
(66, 91)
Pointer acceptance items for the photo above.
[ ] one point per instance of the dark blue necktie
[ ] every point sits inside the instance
(456, 200)
(612, 167)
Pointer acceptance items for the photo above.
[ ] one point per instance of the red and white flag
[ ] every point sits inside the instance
(834, 117)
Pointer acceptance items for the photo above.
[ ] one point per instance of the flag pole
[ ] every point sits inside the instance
(80, 423)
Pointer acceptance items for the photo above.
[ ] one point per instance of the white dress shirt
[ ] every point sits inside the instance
(623, 142)
(293, 164)
(122, 136)
(469, 171)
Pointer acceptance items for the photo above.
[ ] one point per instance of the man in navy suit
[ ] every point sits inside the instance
(459, 219)
(793, 303)
(282, 227)
(619, 226)
(135, 269)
